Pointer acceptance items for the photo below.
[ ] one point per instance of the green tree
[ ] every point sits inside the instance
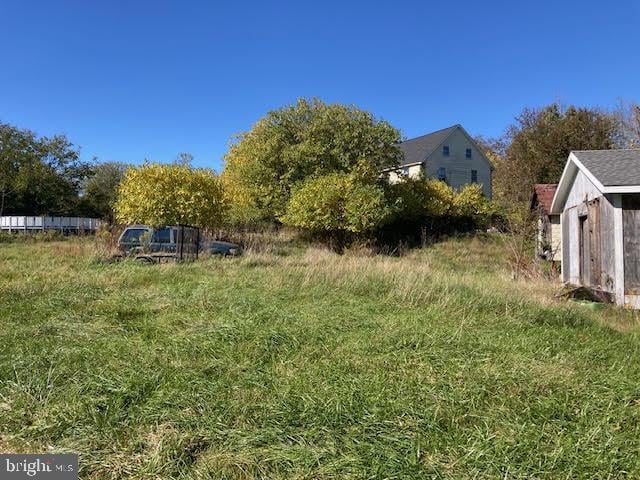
(298, 142)
(157, 195)
(38, 175)
(538, 144)
(101, 190)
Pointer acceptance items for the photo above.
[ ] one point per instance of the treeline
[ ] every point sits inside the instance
(311, 165)
(535, 148)
(45, 176)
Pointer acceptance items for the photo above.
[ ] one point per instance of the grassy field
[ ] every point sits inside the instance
(299, 363)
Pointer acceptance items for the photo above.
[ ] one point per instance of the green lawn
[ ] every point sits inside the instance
(299, 363)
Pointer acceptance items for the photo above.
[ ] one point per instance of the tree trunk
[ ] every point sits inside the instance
(4, 194)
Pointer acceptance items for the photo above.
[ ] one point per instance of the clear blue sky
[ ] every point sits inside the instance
(127, 80)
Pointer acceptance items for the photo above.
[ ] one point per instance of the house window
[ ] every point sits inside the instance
(445, 150)
(467, 153)
(442, 173)
(474, 176)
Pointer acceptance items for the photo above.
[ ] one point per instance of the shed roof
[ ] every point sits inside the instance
(543, 195)
(612, 167)
(611, 171)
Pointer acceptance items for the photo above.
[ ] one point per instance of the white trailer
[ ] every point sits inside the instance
(21, 223)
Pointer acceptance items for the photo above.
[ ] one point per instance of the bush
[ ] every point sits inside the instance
(337, 203)
(427, 207)
(156, 195)
(470, 204)
(418, 200)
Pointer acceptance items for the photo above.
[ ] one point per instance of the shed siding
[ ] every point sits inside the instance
(565, 225)
(556, 236)
(582, 190)
(571, 247)
(608, 240)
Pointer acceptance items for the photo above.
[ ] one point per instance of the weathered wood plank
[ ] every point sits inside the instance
(566, 251)
(631, 239)
(585, 251)
(607, 243)
(595, 266)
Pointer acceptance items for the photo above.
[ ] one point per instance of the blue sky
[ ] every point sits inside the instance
(127, 80)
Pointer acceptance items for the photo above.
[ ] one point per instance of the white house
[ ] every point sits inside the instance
(598, 198)
(449, 154)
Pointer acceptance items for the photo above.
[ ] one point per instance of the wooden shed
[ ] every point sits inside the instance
(548, 242)
(598, 198)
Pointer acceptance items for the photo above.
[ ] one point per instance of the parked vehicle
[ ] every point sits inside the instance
(142, 238)
(216, 247)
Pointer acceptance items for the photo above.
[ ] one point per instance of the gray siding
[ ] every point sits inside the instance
(556, 235)
(458, 167)
(608, 244)
(582, 190)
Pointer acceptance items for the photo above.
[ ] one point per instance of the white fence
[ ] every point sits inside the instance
(61, 224)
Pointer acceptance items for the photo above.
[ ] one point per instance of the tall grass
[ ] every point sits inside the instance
(294, 362)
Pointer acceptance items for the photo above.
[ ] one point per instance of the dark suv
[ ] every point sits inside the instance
(137, 237)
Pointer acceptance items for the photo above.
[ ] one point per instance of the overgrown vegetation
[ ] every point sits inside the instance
(295, 143)
(158, 195)
(299, 363)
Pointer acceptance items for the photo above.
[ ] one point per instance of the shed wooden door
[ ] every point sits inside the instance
(585, 255)
(595, 262)
(631, 241)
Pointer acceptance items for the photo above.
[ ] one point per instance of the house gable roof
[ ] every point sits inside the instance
(543, 196)
(417, 150)
(611, 171)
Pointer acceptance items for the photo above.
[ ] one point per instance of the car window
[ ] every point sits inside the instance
(132, 235)
(161, 236)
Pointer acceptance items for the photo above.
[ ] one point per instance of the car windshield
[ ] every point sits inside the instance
(161, 236)
(132, 235)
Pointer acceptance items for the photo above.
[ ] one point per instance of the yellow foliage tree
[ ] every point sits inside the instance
(337, 202)
(427, 201)
(158, 195)
(296, 143)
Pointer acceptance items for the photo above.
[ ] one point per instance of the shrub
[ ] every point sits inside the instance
(335, 203)
(431, 207)
(157, 195)
(471, 204)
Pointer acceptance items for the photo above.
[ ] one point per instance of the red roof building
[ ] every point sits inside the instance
(543, 196)
(548, 239)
